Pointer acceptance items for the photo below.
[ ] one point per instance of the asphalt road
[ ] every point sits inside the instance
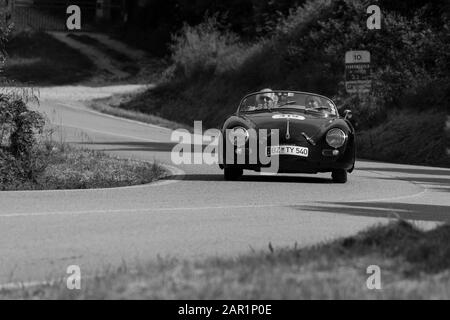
(194, 213)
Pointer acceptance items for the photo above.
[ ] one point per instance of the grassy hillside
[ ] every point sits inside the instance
(212, 68)
(36, 58)
(407, 137)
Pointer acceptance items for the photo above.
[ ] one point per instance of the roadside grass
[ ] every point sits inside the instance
(67, 167)
(36, 58)
(397, 139)
(114, 106)
(414, 264)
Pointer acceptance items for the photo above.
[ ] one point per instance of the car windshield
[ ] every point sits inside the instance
(279, 100)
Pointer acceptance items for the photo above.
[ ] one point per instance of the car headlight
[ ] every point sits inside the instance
(238, 136)
(336, 138)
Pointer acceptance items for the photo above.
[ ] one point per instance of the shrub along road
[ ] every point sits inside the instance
(195, 214)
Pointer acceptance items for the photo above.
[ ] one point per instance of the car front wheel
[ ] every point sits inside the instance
(339, 176)
(232, 174)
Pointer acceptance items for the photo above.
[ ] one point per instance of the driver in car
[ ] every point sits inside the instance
(266, 99)
(313, 103)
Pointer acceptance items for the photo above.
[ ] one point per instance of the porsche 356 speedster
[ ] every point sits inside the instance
(311, 135)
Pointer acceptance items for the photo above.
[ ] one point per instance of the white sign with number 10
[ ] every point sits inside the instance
(357, 72)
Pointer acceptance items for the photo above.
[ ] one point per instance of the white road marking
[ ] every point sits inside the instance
(395, 198)
(109, 133)
(150, 210)
(418, 184)
(142, 210)
(114, 117)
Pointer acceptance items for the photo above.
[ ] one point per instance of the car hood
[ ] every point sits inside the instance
(310, 125)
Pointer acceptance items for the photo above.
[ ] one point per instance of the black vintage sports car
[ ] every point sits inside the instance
(304, 131)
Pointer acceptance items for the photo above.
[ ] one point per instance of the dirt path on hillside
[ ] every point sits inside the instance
(136, 66)
(85, 93)
(99, 58)
(150, 68)
(117, 45)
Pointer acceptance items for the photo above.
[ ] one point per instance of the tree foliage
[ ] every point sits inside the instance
(18, 128)
(151, 27)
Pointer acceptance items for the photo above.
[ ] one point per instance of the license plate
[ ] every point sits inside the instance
(288, 150)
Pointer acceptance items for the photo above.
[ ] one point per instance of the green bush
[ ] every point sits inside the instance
(206, 49)
(18, 129)
(10, 169)
(407, 53)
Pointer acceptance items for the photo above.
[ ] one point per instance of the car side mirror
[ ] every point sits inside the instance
(347, 114)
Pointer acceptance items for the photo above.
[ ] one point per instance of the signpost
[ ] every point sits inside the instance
(357, 72)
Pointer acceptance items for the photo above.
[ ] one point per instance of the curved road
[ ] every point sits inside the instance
(194, 213)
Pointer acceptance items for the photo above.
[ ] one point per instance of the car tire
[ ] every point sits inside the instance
(339, 176)
(232, 174)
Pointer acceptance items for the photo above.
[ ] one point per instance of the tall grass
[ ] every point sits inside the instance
(407, 136)
(207, 49)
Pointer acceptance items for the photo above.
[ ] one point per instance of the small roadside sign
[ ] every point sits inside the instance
(357, 72)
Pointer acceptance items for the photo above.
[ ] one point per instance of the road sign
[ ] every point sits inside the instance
(357, 72)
